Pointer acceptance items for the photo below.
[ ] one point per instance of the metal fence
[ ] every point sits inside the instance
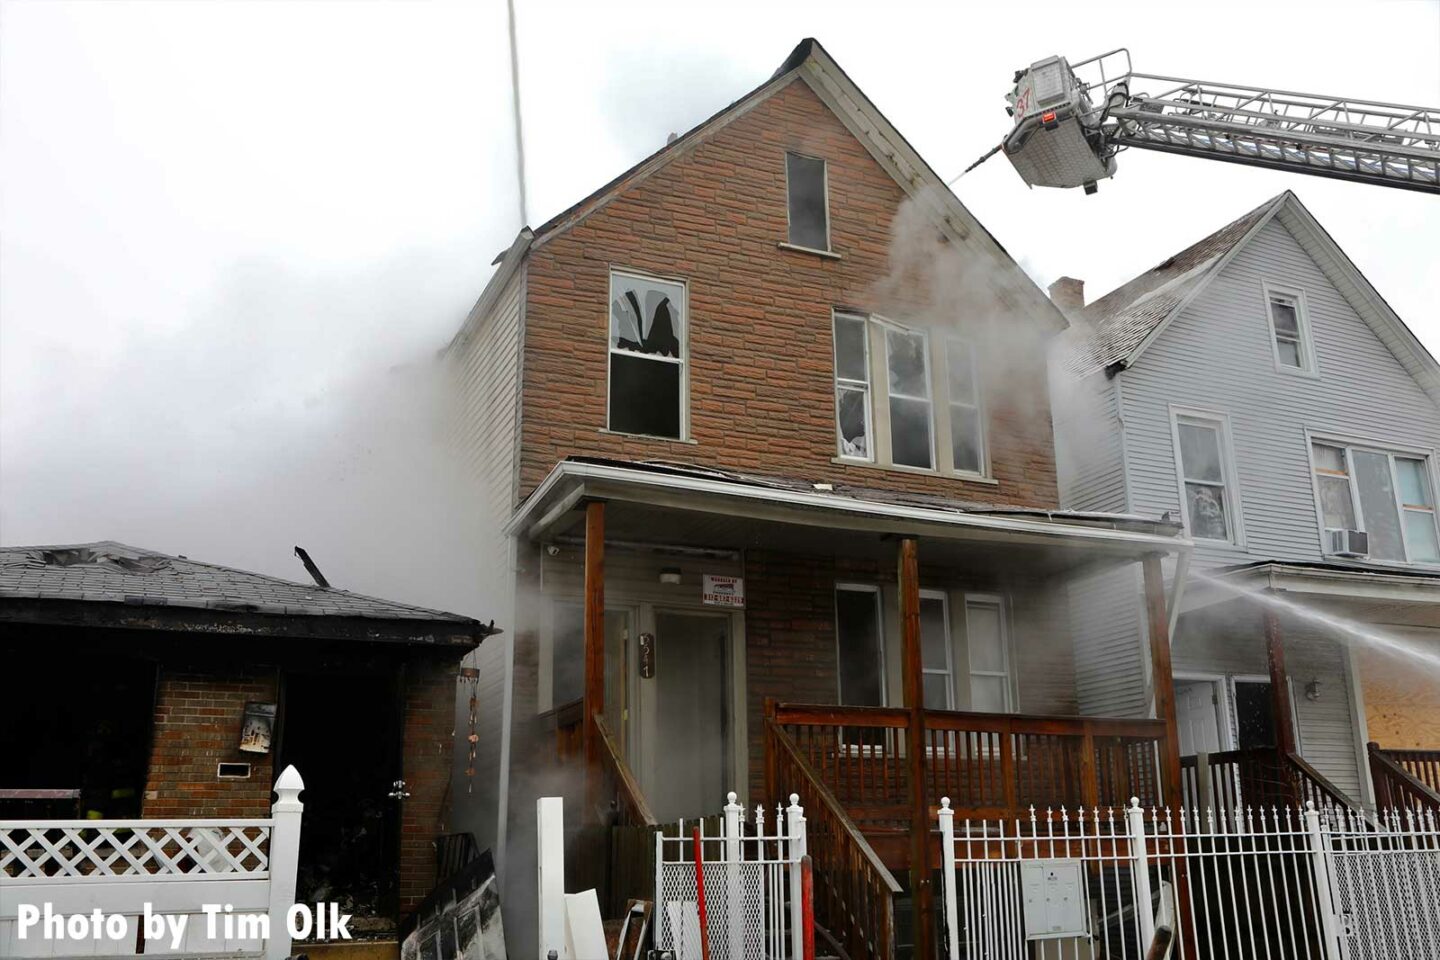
(1273, 883)
(751, 876)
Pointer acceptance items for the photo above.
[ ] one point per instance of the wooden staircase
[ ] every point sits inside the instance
(1406, 780)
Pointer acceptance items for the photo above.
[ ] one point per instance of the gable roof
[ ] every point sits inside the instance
(114, 573)
(811, 64)
(1123, 323)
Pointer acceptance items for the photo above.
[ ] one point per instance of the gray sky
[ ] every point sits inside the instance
(226, 228)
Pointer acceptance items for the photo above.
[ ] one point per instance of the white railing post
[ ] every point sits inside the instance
(1140, 870)
(733, 907)
(947, 866)
(285, 814)
(1204, 799)
(795, 832)
(550, 863)
(1324, 894)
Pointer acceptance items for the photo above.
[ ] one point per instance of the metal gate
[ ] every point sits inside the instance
(1385, 885)
(751, 881)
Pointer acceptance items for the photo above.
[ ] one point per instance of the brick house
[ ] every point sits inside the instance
(140, 671)
(764, 431)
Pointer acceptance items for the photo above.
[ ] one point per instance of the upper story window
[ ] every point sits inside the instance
(647, 355)
(807, 198)
(1207, 478)
(860, 645)
(1289, 329)
(890, 406)
(1390, 496)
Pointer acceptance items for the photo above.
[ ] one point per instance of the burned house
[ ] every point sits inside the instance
(140, 684)
(764, 432)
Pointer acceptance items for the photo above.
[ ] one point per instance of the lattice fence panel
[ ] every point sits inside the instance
(119, 849)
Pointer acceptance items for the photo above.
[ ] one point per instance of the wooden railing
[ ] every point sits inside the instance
(854, 892)
(1405, 780)
(1260, 777)
(626, 798)
(989, 765)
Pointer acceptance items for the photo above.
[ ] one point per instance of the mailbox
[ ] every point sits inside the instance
(1054, 900)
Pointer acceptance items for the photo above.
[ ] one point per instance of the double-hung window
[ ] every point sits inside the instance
(647, 355)
(938, 674)
(1206, 477)
(907, 363)
(852, 386)
(1388, 495)
(989, 653)
(807, 202)
(1290, 330)
(967, 424)
(860, 644)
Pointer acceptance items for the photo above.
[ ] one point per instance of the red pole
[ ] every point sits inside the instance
(807, 907)
(700, 894)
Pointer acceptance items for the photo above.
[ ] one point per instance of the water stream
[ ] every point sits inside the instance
(1352, 630)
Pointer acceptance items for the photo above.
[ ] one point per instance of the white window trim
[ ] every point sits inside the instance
(1371, 445)
(837, 381)
(874, 589)
(683, 360)
(1008, 674)
(1223, 712)
(1308, 365)
(949, 671)
(825, 182)
(1235, 514)
(927, 353)
(979, 407)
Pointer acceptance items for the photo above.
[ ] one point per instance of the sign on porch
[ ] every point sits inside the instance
(722, 591)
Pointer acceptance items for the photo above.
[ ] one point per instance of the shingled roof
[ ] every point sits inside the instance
(107, 572)
(1119, 322)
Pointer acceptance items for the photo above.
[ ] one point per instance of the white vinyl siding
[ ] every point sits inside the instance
(1089, 458)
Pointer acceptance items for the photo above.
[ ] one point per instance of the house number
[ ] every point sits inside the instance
(647, 656)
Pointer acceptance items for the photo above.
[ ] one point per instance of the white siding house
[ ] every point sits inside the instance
(1223, 388)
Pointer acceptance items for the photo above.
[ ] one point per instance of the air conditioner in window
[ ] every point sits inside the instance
(1347, 543)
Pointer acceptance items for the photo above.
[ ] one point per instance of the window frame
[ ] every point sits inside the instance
(978, 406)
(825, 187)
(683, 360)
(887, 327)
(1392, 451)
(874, 590)
(949, 671)
(1008, 674)
(1305, 341)
(837, 382)
(1234, 514)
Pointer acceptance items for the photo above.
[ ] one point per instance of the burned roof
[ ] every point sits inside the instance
(1119, 322)
(107, 572)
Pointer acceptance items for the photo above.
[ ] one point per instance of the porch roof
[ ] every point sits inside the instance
(681, 503)
(1366, 592)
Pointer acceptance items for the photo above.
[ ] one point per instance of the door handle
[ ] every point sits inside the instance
(398, 791)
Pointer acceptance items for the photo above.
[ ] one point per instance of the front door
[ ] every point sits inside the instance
(1197, 716)
(683, 733)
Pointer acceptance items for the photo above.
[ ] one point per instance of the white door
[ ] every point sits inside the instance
(1197, 715)
(684, 735)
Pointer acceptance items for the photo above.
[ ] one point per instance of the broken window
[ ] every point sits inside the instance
(647, 355)
(809, 211)
(967, 427)
(909, 393)
(859, 643)
(1204, 475)
(1288, 326)
(852, 386)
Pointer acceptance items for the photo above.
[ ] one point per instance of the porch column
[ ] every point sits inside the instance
(921, 892)
(1163, 675)
(1279, 683)
(594, 697)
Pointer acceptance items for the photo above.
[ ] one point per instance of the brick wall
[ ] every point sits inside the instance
(198, 712)
(761, 366)
(429, 742)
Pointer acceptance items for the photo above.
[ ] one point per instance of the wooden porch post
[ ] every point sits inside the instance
(1279, 684)
(594, 697)
(921, 892)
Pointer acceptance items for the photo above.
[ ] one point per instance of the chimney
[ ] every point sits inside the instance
(1068, 294)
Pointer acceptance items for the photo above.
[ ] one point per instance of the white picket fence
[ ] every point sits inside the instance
(175, 867)
(752, 877)
(1272, 884)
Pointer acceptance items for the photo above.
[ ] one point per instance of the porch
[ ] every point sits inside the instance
(781, 686)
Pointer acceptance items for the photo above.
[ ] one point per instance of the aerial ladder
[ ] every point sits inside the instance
(1071, 120)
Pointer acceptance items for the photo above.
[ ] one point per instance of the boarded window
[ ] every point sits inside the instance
(852, 386)
(860, 646)
(1203, 472)
(908, 367)
(647, 355)
(809, 214)
(967, 426)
